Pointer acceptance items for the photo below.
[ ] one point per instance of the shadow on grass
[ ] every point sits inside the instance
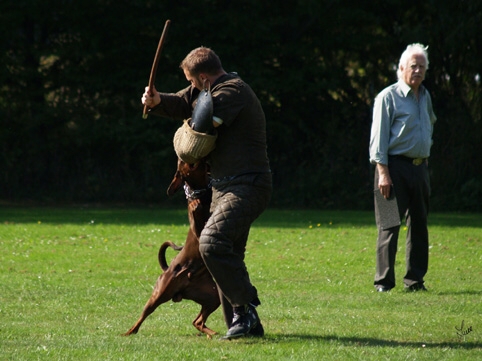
(148, 214)
(370, 342)
(88, 214)
(459, 292)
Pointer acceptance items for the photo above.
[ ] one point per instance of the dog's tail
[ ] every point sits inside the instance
(162, 253)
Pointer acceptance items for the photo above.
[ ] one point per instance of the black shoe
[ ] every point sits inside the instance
(381, 288)
(416, 287)
(258, 330)
(245, 319)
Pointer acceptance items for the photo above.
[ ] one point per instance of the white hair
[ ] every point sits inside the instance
(412, 49)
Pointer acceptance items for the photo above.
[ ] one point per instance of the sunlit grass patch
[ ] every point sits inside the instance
(73, 280)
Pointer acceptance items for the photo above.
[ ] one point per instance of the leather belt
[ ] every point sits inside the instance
(414, 161)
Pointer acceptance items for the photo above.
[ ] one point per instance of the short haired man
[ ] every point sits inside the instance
(241, 181)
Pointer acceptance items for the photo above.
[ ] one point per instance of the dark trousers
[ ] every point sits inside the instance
(411, 184)
(236, 205)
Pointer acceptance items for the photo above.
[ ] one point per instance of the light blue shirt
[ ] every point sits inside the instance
(402, 124)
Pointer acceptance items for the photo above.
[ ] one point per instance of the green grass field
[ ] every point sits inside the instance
(74, 279)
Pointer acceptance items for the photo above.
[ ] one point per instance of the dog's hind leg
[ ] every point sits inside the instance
(200, 321)
(149, 308)
(205, 294)
(167, 286)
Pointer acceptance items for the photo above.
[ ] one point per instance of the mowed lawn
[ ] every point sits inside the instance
(74, 279)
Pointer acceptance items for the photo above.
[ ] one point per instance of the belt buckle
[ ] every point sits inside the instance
(417, 161)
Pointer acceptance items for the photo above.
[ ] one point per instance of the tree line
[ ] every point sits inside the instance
(73, 73)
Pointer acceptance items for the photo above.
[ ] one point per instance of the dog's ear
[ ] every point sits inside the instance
(176, 184)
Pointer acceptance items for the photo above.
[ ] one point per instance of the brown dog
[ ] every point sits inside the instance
(187, 276)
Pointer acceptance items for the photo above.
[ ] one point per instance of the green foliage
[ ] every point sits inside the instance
(73, 72)
(74, 279)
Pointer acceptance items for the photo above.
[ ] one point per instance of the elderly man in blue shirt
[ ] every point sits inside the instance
(400, 142)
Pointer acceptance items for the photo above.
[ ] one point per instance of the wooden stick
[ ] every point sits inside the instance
(152, 77)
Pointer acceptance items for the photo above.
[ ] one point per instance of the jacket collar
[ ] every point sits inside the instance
(405, 88)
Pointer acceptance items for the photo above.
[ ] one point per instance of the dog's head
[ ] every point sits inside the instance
(196, 176)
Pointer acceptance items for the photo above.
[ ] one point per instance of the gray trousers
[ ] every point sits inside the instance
(411, 184)
(235, 206)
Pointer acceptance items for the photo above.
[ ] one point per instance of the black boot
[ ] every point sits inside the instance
(258, 330)
(245, 319)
